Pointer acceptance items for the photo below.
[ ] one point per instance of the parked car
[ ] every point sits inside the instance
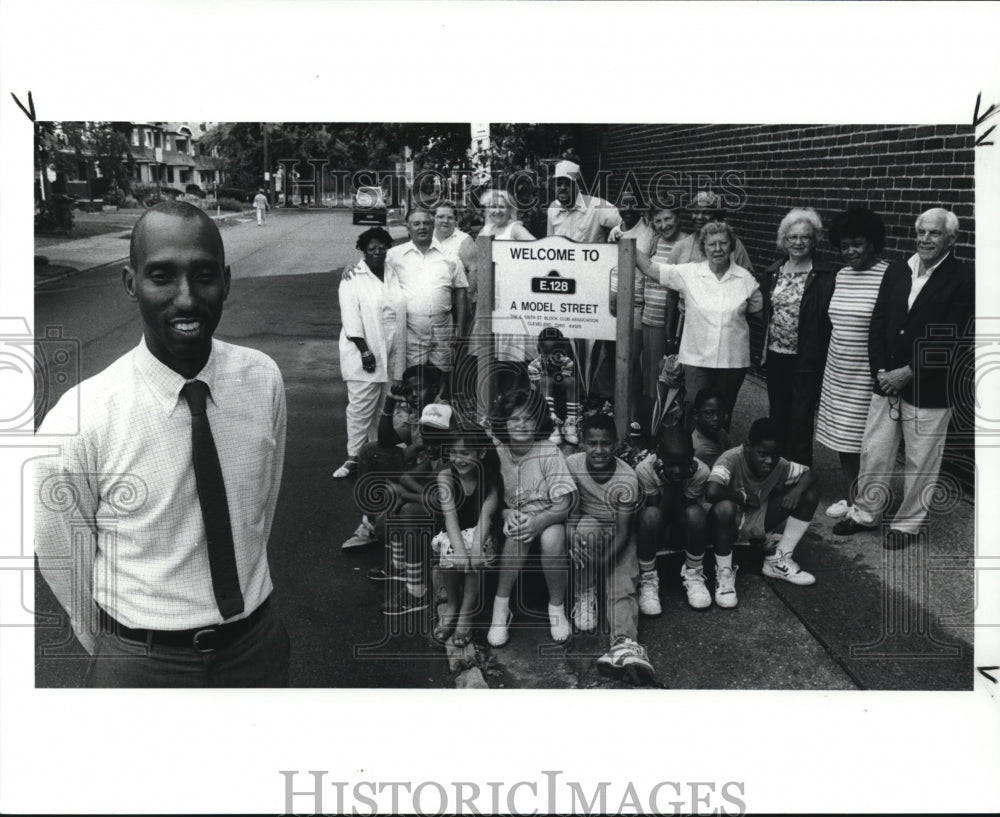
(369, 206)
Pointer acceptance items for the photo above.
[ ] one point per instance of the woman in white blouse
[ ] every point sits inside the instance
(718, 295)
(372, 341)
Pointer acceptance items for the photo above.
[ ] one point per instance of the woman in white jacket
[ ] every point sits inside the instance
(372, 341)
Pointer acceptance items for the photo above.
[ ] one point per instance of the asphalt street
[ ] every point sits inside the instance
(869, 622)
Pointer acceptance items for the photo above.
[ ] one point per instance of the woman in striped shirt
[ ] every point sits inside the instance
(859, 234)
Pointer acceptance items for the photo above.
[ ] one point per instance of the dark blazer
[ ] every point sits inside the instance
(933, 337)
(814, 314)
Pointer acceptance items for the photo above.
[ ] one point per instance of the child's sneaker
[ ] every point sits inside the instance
(784, 567)
(585, 611)
(725, 587)
(694, 584)
(626, 660)
(838, 509)
(571, 432)
(364, 535)
(405, 602)
(649, 593)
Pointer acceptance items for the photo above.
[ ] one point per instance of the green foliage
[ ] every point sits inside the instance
(346, 146)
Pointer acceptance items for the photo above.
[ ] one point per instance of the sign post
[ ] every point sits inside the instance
(623, 343)
(482, 326)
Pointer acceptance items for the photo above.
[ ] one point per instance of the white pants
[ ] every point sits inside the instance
(923, 431)
(364, 403)
(260, 215)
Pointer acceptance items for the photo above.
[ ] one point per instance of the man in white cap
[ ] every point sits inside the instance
(587, 219)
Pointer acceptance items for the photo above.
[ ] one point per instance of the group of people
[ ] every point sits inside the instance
(153, 517)
(849, 361)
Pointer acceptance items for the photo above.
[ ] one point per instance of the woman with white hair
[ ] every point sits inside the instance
(797, 291)
(719, 295)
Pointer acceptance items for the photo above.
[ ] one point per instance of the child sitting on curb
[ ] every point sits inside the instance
(675, 516)
(753, 490)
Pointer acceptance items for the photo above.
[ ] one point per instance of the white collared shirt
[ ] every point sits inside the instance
(117, 518)
(920, 281)
(587, 221)
(716, 335)
(426, 278)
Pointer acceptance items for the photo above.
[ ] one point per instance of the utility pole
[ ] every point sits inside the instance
(267, 167)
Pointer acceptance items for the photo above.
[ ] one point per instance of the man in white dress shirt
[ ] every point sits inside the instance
(122, 512)
(436, 291)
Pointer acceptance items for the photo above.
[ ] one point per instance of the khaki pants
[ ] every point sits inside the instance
(923, 431)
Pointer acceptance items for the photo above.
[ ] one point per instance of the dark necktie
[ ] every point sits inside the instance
(214, 508)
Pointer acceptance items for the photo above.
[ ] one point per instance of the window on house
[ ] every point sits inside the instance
(135, 137)
(170, 175)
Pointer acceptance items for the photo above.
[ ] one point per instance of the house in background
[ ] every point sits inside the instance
(173, 154)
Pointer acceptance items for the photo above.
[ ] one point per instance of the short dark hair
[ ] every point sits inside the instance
(513, 401)
(371, 234)
(764, 428)
(674, 438)
(706, 394)
(178, 209)
(427, 375)
(857, 221)
(600, 421)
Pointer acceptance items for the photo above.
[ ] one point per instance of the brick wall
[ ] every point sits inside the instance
(762, 171)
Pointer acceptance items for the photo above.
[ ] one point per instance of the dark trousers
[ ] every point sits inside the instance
(259, 658)
(792, 396)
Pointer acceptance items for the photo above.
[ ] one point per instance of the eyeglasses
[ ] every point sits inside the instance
(798, 239)
(894, 412)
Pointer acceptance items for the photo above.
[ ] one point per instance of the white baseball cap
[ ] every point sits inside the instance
(436, 415)
(567, 170)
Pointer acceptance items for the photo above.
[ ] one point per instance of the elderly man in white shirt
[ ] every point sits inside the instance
(719, 296)
(153, 518)
(436, 291)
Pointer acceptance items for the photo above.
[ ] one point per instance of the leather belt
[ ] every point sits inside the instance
(200, 639)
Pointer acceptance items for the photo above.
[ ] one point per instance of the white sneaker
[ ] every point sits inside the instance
(585, 611)
(349, 468)
(725, 587)
(649, 593)
(626, 660)
(838, 509)
(364, 535)
(694, 584)
(784, 567)
(571, 431)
